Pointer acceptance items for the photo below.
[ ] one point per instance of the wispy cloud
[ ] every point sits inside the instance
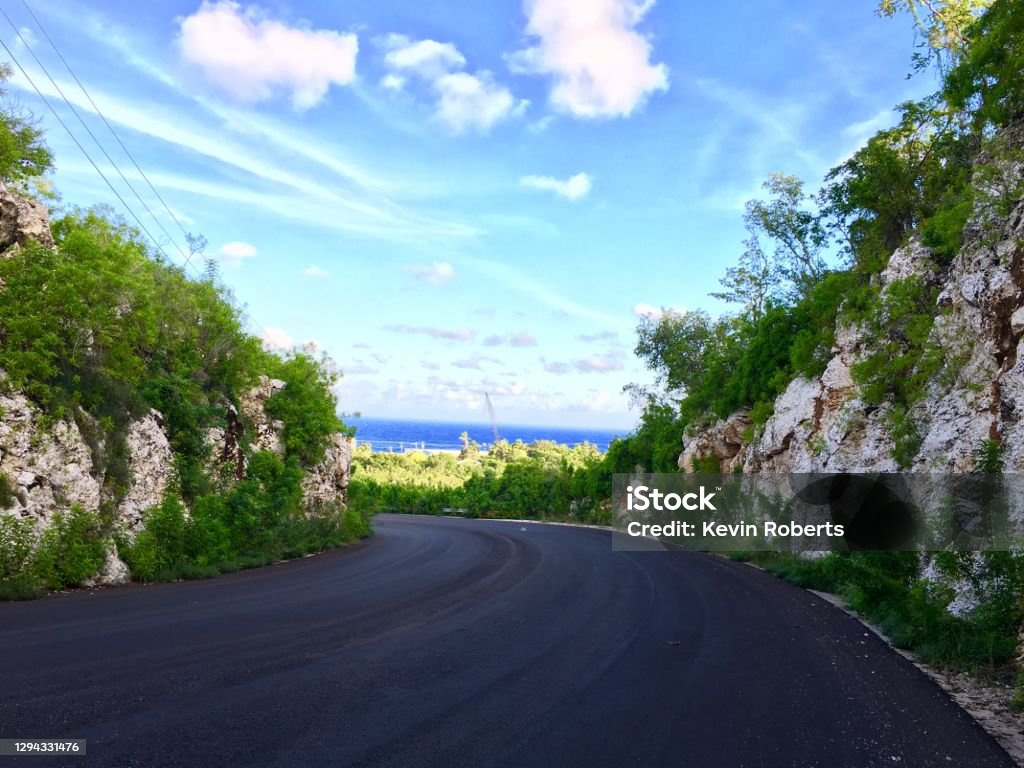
(316, 272)
(277, 338)
(438, 273)
(357, 194)
(511, 278)
(521, 339)
(649, 310)
(460, 334)
(573, 188)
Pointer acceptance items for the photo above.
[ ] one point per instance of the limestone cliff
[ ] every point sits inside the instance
(49, 466)
(824, 424)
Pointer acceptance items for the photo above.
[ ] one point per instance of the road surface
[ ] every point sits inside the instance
(445, 642)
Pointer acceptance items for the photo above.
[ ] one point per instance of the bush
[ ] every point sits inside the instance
(71, 549)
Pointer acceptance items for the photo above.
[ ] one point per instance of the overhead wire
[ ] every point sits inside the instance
(88, 157)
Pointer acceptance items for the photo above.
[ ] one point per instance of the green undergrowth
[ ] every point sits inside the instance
(540, 481)
(887, 589)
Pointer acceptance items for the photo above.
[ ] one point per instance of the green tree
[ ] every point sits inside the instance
(23, 155)
(944, 26)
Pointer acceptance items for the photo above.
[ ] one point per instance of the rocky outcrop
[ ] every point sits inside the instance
(151, 464)
(327, 482)
(264, 432)
(823, 425)
(725, 444)
(21, 220)
(48, 466)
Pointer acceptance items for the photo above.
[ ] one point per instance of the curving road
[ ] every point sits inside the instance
(443, 642)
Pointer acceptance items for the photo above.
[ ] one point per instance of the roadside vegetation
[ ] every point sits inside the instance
(811, 263)
(540, 480)
(102, 329)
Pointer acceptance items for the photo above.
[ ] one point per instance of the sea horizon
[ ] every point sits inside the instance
(394, 434)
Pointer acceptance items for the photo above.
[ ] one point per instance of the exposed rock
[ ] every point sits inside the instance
(327, 482)
(21, 220)
(113, 573)
(725, 442)
(152, 466)
(265, 433)
(1017, 322)
(912, 260)
(50, 468)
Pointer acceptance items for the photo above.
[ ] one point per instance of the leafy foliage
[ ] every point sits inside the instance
(23, 155)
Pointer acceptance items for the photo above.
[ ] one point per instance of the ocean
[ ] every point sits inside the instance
(401, 435)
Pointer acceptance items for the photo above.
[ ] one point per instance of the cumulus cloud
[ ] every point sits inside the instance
(236, 251)
(438, 273)
(276, 338)
(463, 101)
(599, 63)
(602, 336)
(438, 333)
(495, 340)
(315, 271)
(572, 188)
(254, 58)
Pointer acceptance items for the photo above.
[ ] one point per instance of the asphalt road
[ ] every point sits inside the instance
(444, 642)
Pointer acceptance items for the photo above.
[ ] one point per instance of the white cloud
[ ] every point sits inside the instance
(523, 339)
(317, 272)
(468, 101)
(438, 273)
(572, 188)
(463, 101)
(276, 338)
(599, 364)
(427, 58)
(253, 57)
(236, 251)
(600, 63)
(656, 313)
(460, 334)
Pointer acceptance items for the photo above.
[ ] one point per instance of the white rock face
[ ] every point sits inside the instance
(50, 468)
(264, 432)
(824, 425)
(113, 573)
(152, 467)
(21, 220)
(327, 482)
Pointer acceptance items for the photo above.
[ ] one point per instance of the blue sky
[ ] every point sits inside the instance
(455, 198)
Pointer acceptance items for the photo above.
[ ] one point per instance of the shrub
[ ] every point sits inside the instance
(71, 549)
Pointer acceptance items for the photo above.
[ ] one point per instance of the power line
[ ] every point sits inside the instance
(79, 145)
(46, 101)
(88, 130)
(99, 112)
